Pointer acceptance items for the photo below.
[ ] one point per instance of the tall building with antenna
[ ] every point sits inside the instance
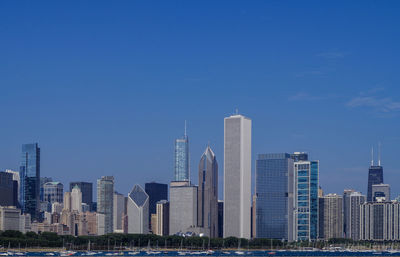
(182, 172)
(375, 174)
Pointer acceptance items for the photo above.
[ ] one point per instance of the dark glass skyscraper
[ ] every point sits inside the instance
(274, 193)
(30, 179)
(207, 197)
(182, 158)
(6, 189)
(156, 192)
(375, 176)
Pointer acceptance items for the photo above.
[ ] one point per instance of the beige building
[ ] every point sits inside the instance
(331, 216)
(9, 218)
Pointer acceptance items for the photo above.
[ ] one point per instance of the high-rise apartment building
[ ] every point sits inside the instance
(274, 196)
(207, 197)
(380, 221)
(346, 211)
(182, 172)
(138, 211)
(183, 207)
(237, 176)
(305, 200)
(53, 192)
(331, 213)
(30, 179)
(156, 192)
(105, 201)
(87, 192)
(356, 199)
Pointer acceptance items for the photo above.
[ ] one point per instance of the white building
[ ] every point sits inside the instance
(76, 199)
(237, 176)
(138, 211)
(119, 208)
(183, 207)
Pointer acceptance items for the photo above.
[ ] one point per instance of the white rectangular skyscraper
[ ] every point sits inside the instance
(237, 176)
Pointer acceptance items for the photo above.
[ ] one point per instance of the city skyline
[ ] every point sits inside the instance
(98, 87)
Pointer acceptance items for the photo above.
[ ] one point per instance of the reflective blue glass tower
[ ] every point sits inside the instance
(30, 179)
(274, 196)
(182, 158)
(306, 200)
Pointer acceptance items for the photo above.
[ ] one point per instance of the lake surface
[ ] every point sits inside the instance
(204, 253)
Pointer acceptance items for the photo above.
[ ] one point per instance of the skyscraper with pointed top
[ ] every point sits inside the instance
(207, 197)
(375, 175)
(182, 172)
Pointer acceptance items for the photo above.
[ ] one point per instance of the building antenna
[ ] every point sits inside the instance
(372, 156)
(185, 128)
(237, 111)
(379, 153)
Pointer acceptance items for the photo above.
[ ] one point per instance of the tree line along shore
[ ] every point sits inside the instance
(31, 241)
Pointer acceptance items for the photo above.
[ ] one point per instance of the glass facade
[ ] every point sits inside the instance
(30, 179)
(274, 196)
(375, 176)
(182, 159)
(156, 192)
(105, 201)
(306, 200)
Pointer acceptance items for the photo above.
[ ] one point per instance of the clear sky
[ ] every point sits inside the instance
(104, 87)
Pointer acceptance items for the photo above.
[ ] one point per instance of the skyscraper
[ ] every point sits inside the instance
(183, 207)
(346, 211)
(105, 201)
(306, 200)
(43, 180)
(6, 189)
(207, 197)
(379, 221)
(237, 176)
(331, 210)
(356, 199)
(182, 158)
(16, 177)
(119, 209)
(53, 192)
(30, 177)
(138, 211)
(87, 192)
(156, 192)
(274, 196)
(76, 199)
(162, 214)
(375, 176)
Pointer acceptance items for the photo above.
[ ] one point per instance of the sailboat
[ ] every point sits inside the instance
(89, 252)
(238, 252)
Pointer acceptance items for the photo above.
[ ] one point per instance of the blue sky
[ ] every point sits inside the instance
(104, 87)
